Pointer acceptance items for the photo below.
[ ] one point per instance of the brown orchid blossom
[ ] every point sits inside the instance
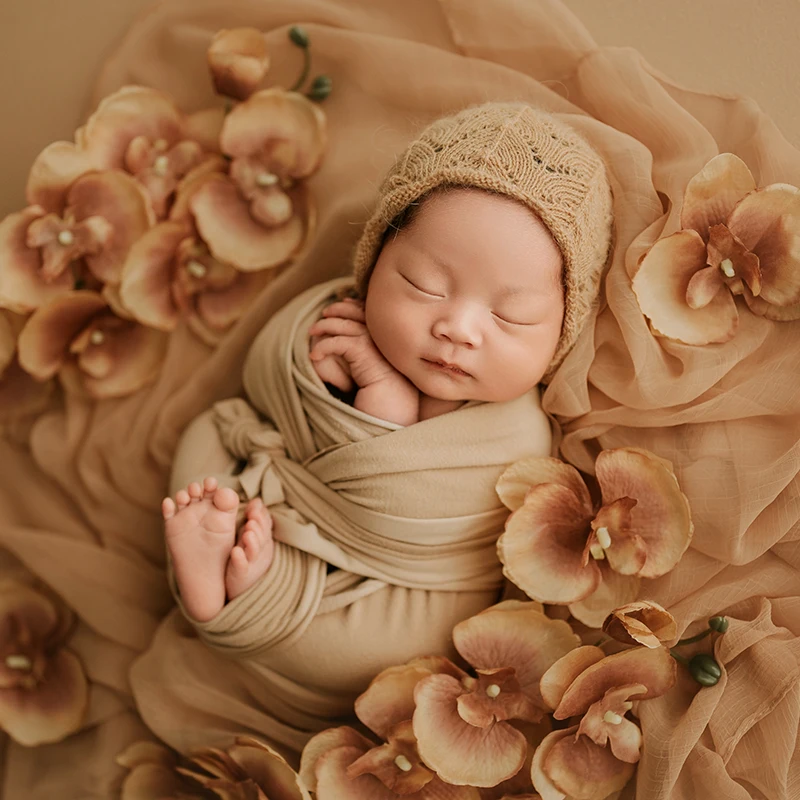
(463, 724)
(93, 351)
(137, 130)
(734, 240)
(84, 243)
(43, 689)
(247, 770)
(643, 622)
(342, 764)
(596, 758)
(238, 60)
(560, 548)
(258, 215)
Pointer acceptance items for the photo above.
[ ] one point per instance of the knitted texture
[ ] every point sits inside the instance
(523, 153)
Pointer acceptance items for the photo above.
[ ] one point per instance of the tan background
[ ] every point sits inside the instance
(51, 49)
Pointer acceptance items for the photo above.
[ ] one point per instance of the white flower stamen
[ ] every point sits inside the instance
(66, 238)
(161, 145)
(266, 179)
(196, 269)
(401, 762)
(161, 165)
(611, 718)
(20, 662)
(492, 690)
(603, 538)
(598, 554)
(97, 337)
(627, 705)
(727, 268)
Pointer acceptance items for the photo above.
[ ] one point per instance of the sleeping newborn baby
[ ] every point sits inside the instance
(473, 279)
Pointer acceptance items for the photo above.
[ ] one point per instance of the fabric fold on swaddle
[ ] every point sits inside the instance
(412, 507)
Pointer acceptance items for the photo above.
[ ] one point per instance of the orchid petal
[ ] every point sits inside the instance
(558, 678)
(644, 622)
(238, 60)
(661, 516)
(267, 769)
(655, 669)
(606, 721)
(323, 742)
(768, 223)
(661, 285)
(541, 781)
(55, 169)
(457, 751)
(542, 546)
(22, 286)
(703, 287)
(712, 193)
(613, 590)
(204, 127)
(516, 481)
(333, 782)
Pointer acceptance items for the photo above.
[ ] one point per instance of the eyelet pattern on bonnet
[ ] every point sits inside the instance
(524, 153)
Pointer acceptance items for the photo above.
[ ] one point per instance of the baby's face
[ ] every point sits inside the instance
(467, 302)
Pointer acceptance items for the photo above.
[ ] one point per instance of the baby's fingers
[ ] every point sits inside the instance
(346, 309)
(337, 326)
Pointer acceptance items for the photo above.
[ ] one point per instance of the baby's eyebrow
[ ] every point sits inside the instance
(513, 291)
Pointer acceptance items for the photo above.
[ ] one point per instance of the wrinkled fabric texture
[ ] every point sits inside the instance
(80, 510)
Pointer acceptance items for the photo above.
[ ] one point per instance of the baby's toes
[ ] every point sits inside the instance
(226, 499)
(210, 485)
(195, 490)
(237, 562)
(182, 499)
(250, 544)
(168, 508)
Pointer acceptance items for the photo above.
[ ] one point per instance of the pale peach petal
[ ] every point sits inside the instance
(661, 286)
(120, 200)
(655, 669)
(285, 126)
(712, 193)
(644, 622)
(582, 769)
(457, 751)
(144, 752)
(724, 247)
(704, 286)
(541, 781)
(516, 481)
(661, 516)
(148, 781)
(778, 313)
(519, 786)
(768, 224)
(323, 742)
(204, 127)
(122, 116)
(53, 172)
(268, 769)
(622, 546)
(333, 784)
(135, 354)
(497, 697)
(605, 722)
(439, 790)
(44, 342)
(220, 309)
(22, 286)
(50, 711)
(233, 236)
(522, 638)
(147, 276)
(542, 546)
(180, 211)
(238, 60)
(558, 678)
(613, 590)
(389, 699)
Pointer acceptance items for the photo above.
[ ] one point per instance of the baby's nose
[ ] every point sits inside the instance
(460, 327)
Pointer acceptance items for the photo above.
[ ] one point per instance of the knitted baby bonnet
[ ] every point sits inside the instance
(524, 153)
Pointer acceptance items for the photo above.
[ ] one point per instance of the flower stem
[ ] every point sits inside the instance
(306, 69)
(679, 658)
(693, 639)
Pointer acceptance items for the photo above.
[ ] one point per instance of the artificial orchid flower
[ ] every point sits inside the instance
(43, 689)
(95, 352)
(247, 770)
(595, 758)
(560, 548)
(238, 61)
(735, 239)
(643, 622)
(259, 215)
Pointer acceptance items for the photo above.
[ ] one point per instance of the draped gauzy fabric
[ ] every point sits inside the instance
(411, 508)
(80, 509)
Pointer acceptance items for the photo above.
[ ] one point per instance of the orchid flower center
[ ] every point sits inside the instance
(196, 269)
(492, 690)
(97, 337)
(20, 662)
(727, 268)
(402, 763)
(612, 718)
(598, 548)
(66, 238)
(266, 179)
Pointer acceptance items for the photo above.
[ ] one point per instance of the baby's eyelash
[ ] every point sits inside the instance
(419, 288)
(510, 322)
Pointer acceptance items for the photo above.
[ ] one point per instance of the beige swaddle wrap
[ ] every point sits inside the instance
(412, 507)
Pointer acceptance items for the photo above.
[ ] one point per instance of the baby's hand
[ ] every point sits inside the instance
(343, 350)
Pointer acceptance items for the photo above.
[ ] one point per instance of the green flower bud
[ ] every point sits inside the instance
(704, 669)
(321, 87)
(719, 624)
(298, 36)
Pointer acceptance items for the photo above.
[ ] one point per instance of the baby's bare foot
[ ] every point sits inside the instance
(251, 557)
(200, 529)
